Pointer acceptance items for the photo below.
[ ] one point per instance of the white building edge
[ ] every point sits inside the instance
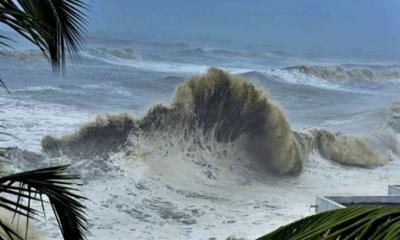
(325, 203)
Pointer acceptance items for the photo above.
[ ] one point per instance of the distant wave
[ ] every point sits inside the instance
(120, 53)
(166, 44)
(131, 58)
(147, 65)
(299, 78)
(343, 74)
(68, 89)
(228, 52)
(282, 53)
(157, 66)
(27, 55)
(33, 54)
(217, 52)
(289, 76)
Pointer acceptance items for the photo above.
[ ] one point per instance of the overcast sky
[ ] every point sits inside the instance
(331, 25)
(334, 24)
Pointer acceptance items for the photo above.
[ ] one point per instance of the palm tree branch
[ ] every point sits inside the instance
(54, 183)
(358, 222)
(3, 40)
(9, 233)
(54, 26)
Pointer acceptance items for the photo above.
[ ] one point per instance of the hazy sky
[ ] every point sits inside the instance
(303, 24)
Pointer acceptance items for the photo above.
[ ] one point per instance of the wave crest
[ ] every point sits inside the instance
(217, 52)
(26, 55)
(345, 149)
(122, 53)
(342, 74)
(33, 54)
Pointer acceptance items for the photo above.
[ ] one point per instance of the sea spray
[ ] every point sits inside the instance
(99, 138)
(393, 117)
(231, 107)
(386, 140)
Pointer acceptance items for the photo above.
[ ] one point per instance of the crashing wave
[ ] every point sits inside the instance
(342, 74)
(221, 107)
(345, 149)
(393, 118)
(381, 146)
(388, 137)
(217, 108)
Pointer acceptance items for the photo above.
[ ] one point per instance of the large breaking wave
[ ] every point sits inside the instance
(216, 106)
(211, 112)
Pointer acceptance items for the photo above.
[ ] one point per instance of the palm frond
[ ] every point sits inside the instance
(55, 26)
(360, 222)
(57, 186)
(8, 233)
(4, 86)
(3, 41)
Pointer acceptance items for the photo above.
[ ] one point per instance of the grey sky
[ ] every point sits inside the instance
(305, 25)
(302, 24)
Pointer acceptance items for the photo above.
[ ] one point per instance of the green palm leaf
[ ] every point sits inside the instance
(4, 86)
(57, 186)
(361, 222)
(55, 26)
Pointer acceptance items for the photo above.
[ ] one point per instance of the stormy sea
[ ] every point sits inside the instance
(202, 139)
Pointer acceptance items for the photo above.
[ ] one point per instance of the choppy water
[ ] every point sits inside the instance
(170, 188)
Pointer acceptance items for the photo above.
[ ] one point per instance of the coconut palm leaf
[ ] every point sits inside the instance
(8, 233)
(55, 26)
(3, 41)
(57, 186)
(361, 222)
(3, 85)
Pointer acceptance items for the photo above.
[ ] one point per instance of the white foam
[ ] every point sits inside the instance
(29, 121)
(159, 193)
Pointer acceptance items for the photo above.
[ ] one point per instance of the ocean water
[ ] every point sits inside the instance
(171, 187)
